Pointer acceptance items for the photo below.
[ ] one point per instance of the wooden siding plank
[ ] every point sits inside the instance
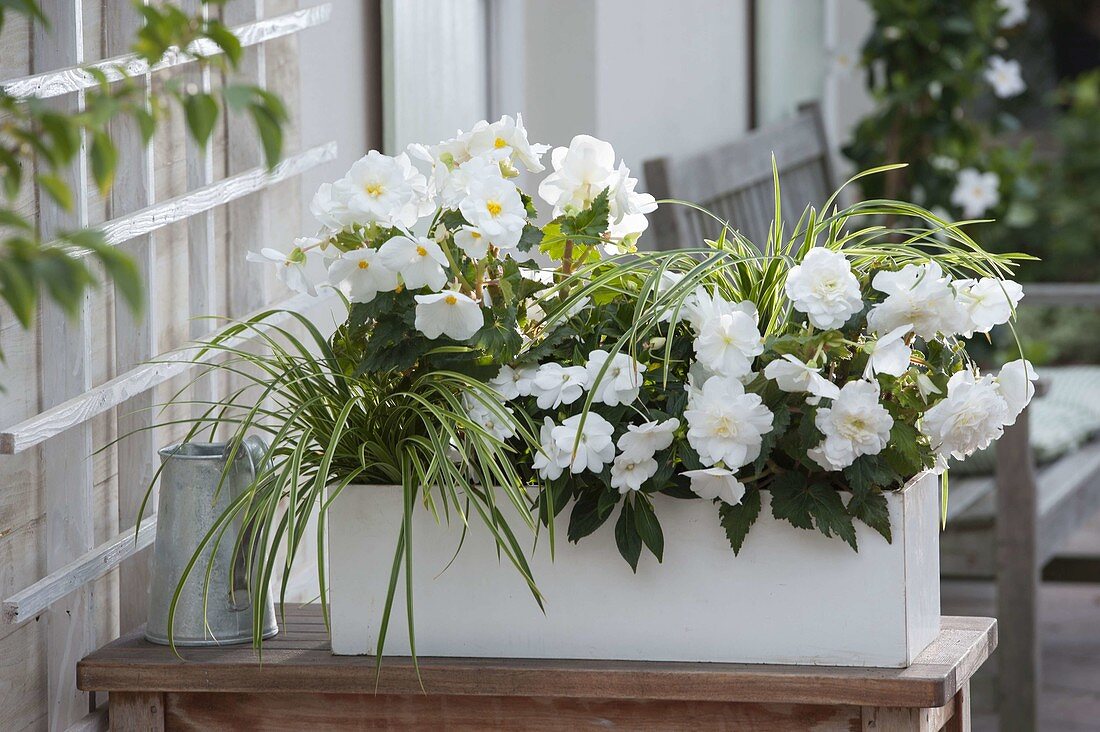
(64, 349)
(133, 190)
(90, 566)
(73, 78)
(81, 408)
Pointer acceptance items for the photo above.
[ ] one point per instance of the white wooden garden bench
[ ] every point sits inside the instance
(1006, 527)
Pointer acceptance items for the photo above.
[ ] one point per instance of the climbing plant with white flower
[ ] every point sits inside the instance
(506, 370)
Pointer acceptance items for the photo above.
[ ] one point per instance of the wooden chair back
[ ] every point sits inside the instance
(734, 182)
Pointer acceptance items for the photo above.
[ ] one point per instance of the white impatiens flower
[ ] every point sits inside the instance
(856, 424)
(641, 441)
(1005, 77)
(363, 273)
(703, 307)
(419, 261)
(711, 483)
(725, 424)
(1015, 12)
(496, 209)
(581, 172)
(550, 461)
(890, 353)
(619, 384)
(728, 344)
(452, 314)
(919, 295)
(511, 382)
(976, 192)
(628, 209)
(968, 419)
(824, 288)
(1016, 385)
(472, 242)
(382, 189)
(506, 139)
(629, 472)
(792, 375)
(290, 269)
(329, 209)
(493, 420)
(988, 302)
(555, 384)
(593, 449)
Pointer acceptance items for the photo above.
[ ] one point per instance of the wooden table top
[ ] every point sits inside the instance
(299, 660)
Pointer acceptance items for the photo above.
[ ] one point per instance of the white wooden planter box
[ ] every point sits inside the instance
(791, 597)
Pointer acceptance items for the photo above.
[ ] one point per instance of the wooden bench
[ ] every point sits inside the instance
(734, 182)
(298, 684)
(1009, 528)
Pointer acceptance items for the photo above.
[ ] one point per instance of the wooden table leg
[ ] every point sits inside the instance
(960, 721)
(136, 711)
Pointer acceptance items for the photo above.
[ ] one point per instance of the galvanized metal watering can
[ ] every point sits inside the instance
(193, 494)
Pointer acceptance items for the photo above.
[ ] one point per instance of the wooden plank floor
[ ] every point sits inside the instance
(1070, 637)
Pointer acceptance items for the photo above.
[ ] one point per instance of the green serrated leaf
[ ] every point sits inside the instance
(806, 505)
(626, 536)
(738, 519)
(648, 527)
(871, 508)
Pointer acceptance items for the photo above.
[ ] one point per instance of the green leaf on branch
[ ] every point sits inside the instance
(57, 189)
(626, 536)
(737, 520)
(648, 527)
(588, 226)
(870, 507)
(104, 158)
(530, 238)
(225, 39)
(806, 505)
(201, 112)
(589, 513)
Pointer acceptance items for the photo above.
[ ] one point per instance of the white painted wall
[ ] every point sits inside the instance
(791, 50)
(650, 76)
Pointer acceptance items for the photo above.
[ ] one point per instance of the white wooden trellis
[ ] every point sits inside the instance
(61, 431)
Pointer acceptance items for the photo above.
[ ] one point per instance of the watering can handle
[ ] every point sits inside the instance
(240, 598)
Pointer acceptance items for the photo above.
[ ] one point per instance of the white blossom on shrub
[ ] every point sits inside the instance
(290, 269)
(792, 375)
(824, 288)
(364, 274)
(725, 424)
(976, 192)
(972, 415)
(420, 261)
(506, 139)
(554, 384)
(1005, 77)
(628, 472)
(581, 172)
(515, 382)
(1015, 12)
(492, 419)
(550, 461)
(889, 353)
(1016, 385)
(641, 441)
(594, 448)
(619, 383)
(919, 295)
(382, 189)
(711, 483)
(472, 242)
(728, 344)
(854, 425)
(448, 313)
(988, 302)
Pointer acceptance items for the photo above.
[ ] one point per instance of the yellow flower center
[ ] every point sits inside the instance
(494, 207)
(375, 189)
(450, 299)
(475, 234)
(500, 142)
(364, 264)
(422, 251)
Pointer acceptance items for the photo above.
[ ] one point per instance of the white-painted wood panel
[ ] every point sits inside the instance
(435, 76)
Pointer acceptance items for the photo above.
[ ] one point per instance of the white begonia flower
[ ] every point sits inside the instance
(1016, 385)
(728, 344)
(383, 189)
(419, 261)
(641, 441)
(619, 384)
(363, 273)
(792, 375)
(926, 387)
(1015, 12)
(890, 353)
(1005, 77)
(290, 269)
(629, 472)
(824, 288)
(506, 139)
(968, 419)
(493, 420)
(555, 385)
(452, 314)
(988, 302)
(471, 241)
(703, 307)
(593, 449)
(856, 424)
(920, 295)
(495, 208)
(511, 382)
(976, 192)
(550, 461)
(725, 424)
(711, 483)
(330, 210)
(627, 206)
(581, 172)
